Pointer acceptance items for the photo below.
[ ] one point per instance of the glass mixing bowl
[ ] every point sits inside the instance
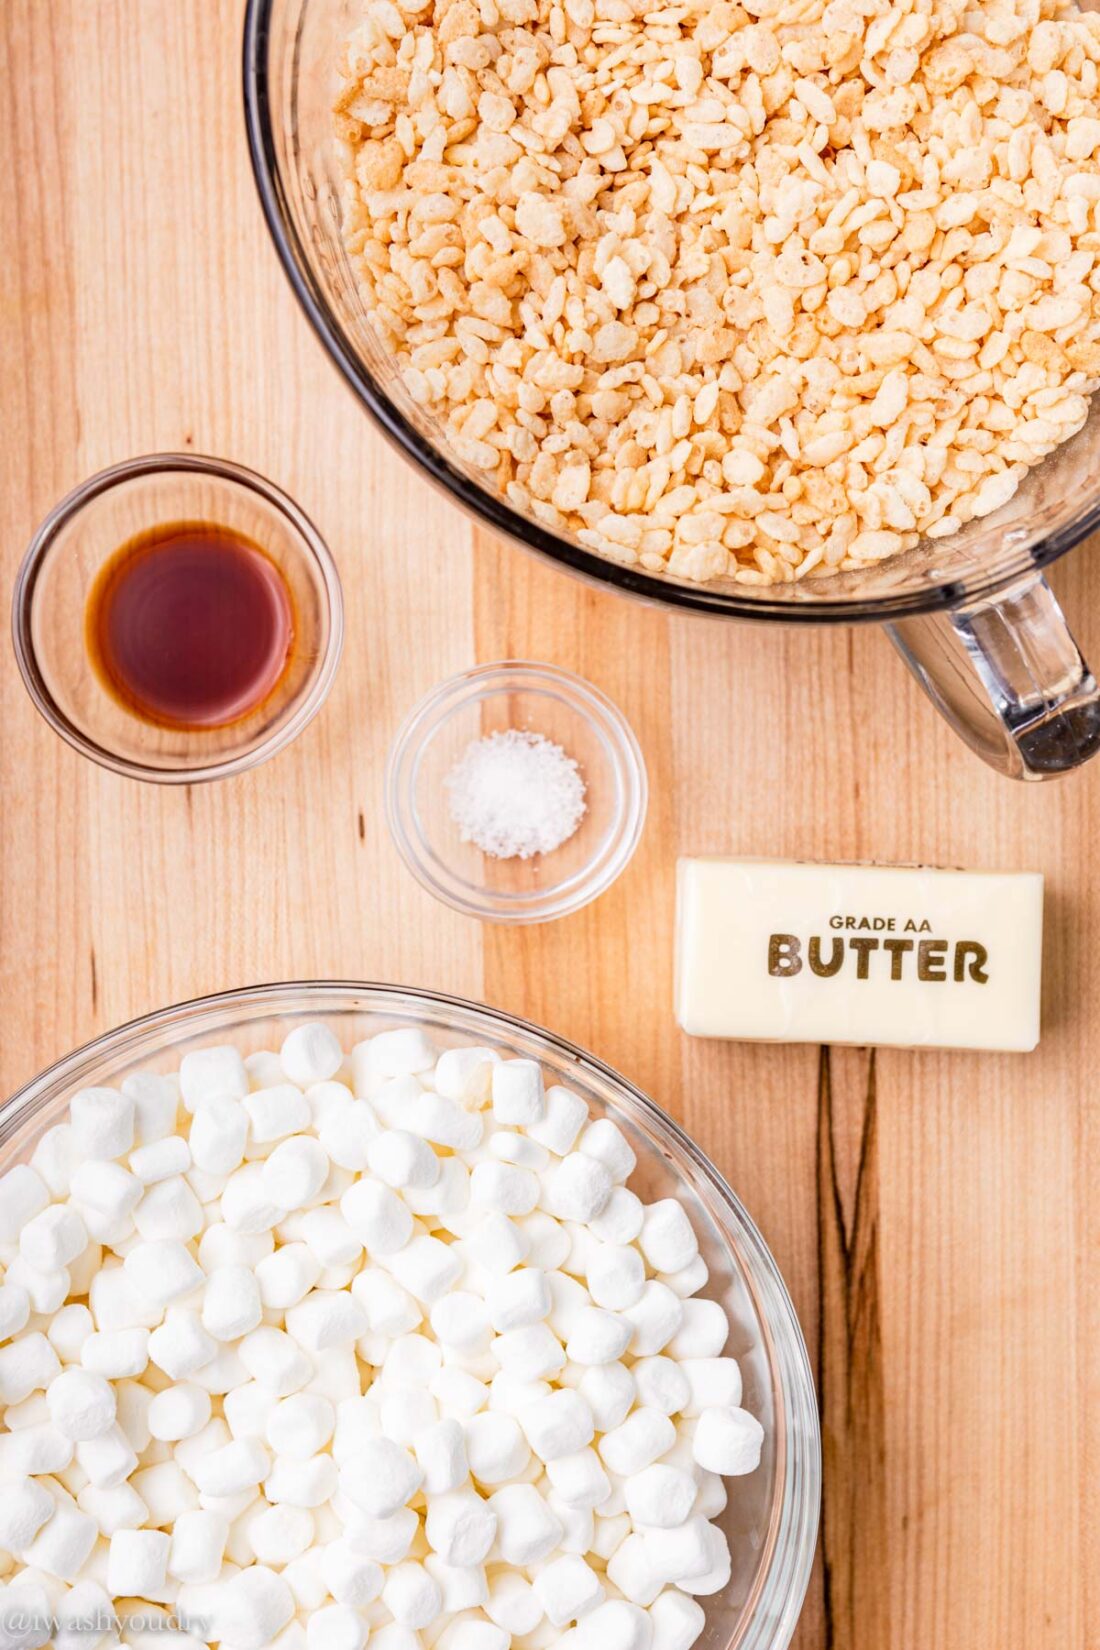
(971, 615)
(771, 1518)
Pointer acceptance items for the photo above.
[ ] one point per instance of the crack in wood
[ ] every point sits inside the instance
(850, 1372)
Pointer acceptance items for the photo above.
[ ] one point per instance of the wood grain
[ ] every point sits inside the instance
(934, 1215)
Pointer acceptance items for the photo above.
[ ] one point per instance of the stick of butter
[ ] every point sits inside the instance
(794, 953)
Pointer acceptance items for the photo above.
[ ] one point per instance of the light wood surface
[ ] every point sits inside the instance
(936, 1216)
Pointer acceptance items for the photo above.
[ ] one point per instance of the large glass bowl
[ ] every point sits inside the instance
(771, 1519)
(291, 52)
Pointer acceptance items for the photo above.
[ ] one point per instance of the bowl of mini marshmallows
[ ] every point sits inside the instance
(336, 1312)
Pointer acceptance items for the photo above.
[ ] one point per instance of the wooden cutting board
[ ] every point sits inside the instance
(936, 1216)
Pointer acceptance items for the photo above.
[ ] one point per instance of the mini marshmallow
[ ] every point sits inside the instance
(278, 1534)
(377, 1216)
(275, 1360)
(247, 1409)
(246, 1204)
(660, 1495)
(517, 1298)
(53, 1160)
(52, 1238)
(495, 1448)
(714, 1383)
(399, 1159)
(137, 1565)
(156, 1103)
(445, 1122)
(231, 1304)
(577, 1188)
(163, 1272)
(102, 1121)
(513, 1604)
(616, 1276)
(496, 1243)
(457, 1392)
(567, 1588)
(460, 1527)
(47, 1290)
(577, 1525)
(23, 1195)
(68, 1332)
(510, 1147)
(689, 1278)
(302, 1483)
(275, 1112)
(614, 1625)
(335, 1627)
(517, 1093)
(351, 1579)
(328, 1236)
(286, 1276)
(346, 1130)
(564, 1115)
(180, 1345)
(411, 1595)
(605, 1141)
(106, 1190)
(82, 1406)
(579, 1479)
(179, 1411)
(119, 1508)
(465, 1075)
(236, 1466)
(252, 1607)
(86, 1602)
(404, 1414)
(715, 1578)
(24, 1508)
(440, 1451)
(460, 1321)
(620, 1219)
(381, 1477)
(637, 1570)
(198, 1543)
(390, 1309)
(385, 1540)
(598, 1337)
(728, 1441)
(531, 1353)
(212, 1074)
(326, 1318)
(527, 1529)
(427, 1268)
(677, 1620)
(667, 1240)
(218, 1137)
(640, 1439)
(703, 1332)
(310, 1054)
(662, 1384)
(504, 1188)
(655, 1318)
(161, 1159)
(15, 1307)
(295, 1172)
(299, 1426)
(169, 1209)
(399, 1053)
(109, 1459)
(462, 1586)
(33, 1450)
(469, 1633)
(63, 1544)
(558, 1425)
(27, 1365)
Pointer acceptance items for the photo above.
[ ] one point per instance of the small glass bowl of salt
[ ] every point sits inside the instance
(516, 792)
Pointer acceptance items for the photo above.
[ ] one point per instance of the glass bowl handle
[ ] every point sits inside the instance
(1009, 677)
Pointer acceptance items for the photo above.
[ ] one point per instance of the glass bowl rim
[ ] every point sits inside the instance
(451, 695)
(322, 675)
(493, 511)
(792, 1529)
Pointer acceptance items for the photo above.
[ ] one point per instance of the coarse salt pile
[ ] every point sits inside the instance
(734, 290)
(515, 794)
(303, 1348)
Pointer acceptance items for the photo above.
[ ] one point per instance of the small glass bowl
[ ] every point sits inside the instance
(60, 569)
(534, 698)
